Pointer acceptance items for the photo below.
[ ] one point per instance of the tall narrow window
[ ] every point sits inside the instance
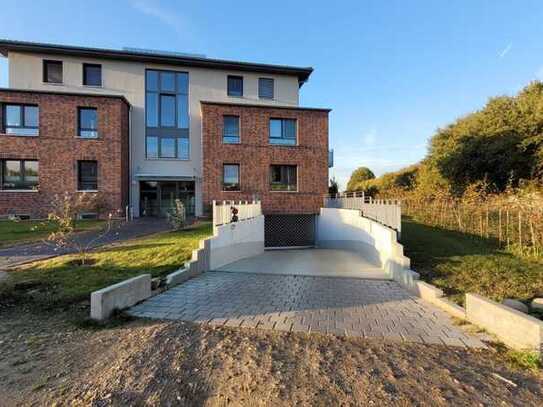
(21, 120)
(92, 75)
(283, 132)
(87, 175)
(52, 71)
(88, 122)
(230, 177)
(283, 178)
(18, 175)
(167, 114)
(230, 134)
(235, 85)
(265, 88)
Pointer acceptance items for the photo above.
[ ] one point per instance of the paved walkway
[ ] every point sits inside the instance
(309, 262)
(26, 253)
(340, 306)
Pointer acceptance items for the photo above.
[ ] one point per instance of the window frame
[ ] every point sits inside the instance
(89, 65)
(180, 93)
(22, 170)
(46, 62)
(79, 181)
(80, 129)
(295, 166)
(239, 177)
(22, 120)
(224, 135)
(228, 91)
(159, 147)
(283, 120)
(272, 80)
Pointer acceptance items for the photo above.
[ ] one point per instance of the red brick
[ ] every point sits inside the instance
(255, 155)
(57, 148)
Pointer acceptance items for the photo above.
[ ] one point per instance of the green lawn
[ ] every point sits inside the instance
(57, 282)
(460, 263)
(25, 231)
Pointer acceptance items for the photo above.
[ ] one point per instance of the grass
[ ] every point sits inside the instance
(27, 231)
(459, 263)
(58, 282)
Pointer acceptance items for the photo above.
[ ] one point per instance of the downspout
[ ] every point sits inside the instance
(129, 212)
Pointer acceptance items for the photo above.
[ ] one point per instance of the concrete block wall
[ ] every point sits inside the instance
(119, 296)
(512, 327)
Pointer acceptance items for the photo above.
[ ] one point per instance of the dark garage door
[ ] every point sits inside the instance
(289, 230)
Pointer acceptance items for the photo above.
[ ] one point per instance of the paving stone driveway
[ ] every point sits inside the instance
(340, 306)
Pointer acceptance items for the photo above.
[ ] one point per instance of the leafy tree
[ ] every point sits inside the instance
(358, 176)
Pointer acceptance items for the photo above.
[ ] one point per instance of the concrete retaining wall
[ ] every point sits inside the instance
(236, 241)
(119, 296)
(347, 229)
(514, 328)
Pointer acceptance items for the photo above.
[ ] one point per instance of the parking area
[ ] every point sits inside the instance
(340, 306)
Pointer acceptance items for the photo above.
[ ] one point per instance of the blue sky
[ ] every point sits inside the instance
(392, 71)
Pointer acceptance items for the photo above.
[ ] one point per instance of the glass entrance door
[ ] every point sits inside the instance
(157, 198)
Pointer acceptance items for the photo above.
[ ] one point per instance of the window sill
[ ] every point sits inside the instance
(20, 190)
(19, 135)
(87, 190)
(235, 144)
(88, 138)
(239, 190)
(283, 145)
(54, 83)
(288, 192)
(167, 159)
(93, 86)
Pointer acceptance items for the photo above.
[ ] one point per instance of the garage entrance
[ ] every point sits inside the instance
(289, 231)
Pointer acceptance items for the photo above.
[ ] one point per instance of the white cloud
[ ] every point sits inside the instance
(154, 9)
(506, 50)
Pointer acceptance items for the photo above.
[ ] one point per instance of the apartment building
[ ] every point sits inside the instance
(149, 127)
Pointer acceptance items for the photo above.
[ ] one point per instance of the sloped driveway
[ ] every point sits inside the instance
(340, 306)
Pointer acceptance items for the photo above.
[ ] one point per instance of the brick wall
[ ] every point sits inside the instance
(255, 155)
(57, 148)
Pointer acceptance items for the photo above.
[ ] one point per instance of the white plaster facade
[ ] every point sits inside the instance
(127, 78)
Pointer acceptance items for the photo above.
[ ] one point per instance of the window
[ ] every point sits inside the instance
(265, 88)
(230, 177)
(52, 71)
(283, 131)
(283, 178)
(21, 120)
(88, 122)
(167, 114)
(167, 147)
(87, 175)
(235, 85)
(230, 133)
(19, 175)
(92, 75)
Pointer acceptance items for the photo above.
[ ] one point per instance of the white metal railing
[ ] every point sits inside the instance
(222, 211)
(385, 211)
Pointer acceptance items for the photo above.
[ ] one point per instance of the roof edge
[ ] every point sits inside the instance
(286, 107)
(302, 73)
(61, 93)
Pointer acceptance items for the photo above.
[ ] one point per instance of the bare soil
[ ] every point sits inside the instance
(47, 360)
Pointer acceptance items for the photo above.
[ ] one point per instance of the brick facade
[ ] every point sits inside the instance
(57, 149)
(254, 154)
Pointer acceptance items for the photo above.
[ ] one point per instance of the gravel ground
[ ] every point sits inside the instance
(46, 360)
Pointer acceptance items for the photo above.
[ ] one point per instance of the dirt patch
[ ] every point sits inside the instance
(47, 359)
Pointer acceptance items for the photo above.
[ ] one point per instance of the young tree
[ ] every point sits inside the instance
(177, 216)
(65, 210)
(333, 189)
